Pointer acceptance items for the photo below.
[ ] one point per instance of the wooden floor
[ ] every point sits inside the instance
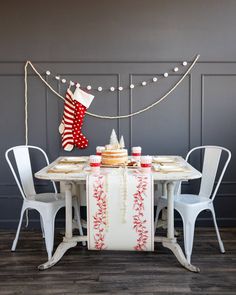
(90, 272)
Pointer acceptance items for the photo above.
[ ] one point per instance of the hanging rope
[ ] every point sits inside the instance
(26, 106)
(92, 114)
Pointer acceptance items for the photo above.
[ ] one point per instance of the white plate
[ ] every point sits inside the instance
(74, 159)
(67, 167)
(173, 168)
(172, 164)
(163, 159)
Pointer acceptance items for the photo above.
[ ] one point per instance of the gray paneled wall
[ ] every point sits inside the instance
(115, 43)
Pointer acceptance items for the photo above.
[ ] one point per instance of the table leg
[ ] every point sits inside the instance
(68, 241)
(162, 222)
(171, 242)
(80, 194)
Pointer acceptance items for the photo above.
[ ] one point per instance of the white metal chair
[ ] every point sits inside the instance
(47, 204)
(189, 206)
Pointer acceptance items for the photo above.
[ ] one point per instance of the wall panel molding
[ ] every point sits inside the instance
(205, 114)
(203, 76)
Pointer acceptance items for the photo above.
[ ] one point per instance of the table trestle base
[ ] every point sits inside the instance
(60, 251)
(177, 251)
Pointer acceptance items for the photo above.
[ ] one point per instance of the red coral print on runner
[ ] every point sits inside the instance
(139, 222)
(99, 218)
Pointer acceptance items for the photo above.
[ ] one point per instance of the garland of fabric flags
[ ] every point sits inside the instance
(77, 103)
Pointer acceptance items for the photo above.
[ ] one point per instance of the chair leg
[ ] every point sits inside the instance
(78, 217)
(222, 248)
(188, 237)
(27, 218)
(41, 224)
(160, 206)
(48, 225)
(14, 244)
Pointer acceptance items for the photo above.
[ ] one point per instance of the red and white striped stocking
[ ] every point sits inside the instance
(66, 126)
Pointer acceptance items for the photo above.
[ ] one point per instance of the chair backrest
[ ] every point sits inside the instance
(210, 167)
(25, 180)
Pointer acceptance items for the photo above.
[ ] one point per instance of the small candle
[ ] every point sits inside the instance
(136, 153)
(146, 163)
(95, 162)
(99, 150)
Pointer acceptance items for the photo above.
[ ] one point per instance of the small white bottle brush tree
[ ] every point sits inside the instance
(122, 142)
(114, 140)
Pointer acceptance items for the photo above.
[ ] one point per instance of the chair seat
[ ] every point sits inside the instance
(188, 199)
(48, 198)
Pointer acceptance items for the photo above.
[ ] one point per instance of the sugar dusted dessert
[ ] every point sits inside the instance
(114, 156)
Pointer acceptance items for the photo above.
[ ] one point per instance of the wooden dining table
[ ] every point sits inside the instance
(168, 178)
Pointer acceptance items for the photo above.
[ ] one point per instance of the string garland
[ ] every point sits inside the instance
(28, 63)
(111, 88)
(100, 88)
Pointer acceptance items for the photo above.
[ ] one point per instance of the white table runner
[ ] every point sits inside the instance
(120, 210)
